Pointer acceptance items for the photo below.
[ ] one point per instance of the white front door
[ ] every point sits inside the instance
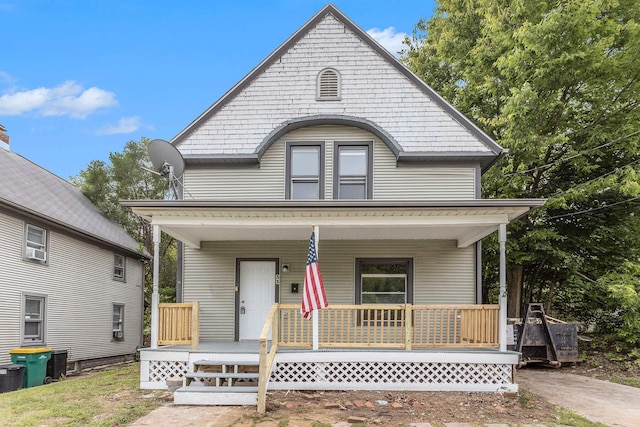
(257, 294)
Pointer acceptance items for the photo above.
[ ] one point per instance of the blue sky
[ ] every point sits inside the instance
(81, 78)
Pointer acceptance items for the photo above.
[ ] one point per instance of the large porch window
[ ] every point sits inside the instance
(384, 281)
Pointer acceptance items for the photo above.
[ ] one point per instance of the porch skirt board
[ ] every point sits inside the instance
(394, 371)
(490, 371)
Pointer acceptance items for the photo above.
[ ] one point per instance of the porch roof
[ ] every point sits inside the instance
(466, 221)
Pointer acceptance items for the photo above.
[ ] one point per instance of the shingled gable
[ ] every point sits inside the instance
(34, 192)
(278, 96)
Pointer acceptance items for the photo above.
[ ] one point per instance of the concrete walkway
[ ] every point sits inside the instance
(191, 416)
(612, 404)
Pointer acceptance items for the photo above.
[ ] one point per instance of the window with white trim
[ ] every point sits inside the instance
(34, 319)
(305, 171)
(118, 322)
(119, 267)
(328, 85)
(35, 247)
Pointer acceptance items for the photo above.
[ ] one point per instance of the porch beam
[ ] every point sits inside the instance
(471, 238)
(502, 239)
(181, 237)
(391, 220)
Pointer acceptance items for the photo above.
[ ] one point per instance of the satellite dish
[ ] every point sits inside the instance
(167, 160)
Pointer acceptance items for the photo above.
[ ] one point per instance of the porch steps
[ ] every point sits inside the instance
(219, 382)
(207, 395)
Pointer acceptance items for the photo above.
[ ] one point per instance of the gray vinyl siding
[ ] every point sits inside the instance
(390, 182)
(443, 274)
(79, 289)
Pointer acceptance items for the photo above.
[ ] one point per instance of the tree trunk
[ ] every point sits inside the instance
(514, 290)
(552, 288)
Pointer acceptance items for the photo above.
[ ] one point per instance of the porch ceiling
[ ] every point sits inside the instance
(465, 221)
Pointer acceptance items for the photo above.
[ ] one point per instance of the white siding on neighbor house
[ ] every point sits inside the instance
(371, 88)
(80, 293)
(390, 182)
(443, 274)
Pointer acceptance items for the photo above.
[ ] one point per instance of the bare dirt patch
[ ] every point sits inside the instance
(399, 408)
(601, 366)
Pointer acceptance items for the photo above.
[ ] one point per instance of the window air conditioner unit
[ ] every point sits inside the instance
(36, 254)
(118, 334)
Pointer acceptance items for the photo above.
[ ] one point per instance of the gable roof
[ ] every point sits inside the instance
(486, 156)
(34, 191)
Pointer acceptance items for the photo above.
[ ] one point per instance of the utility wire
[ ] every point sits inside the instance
(596, 178)
(594, 209)
(581, 153)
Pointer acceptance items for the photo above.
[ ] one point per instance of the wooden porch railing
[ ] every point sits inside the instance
(179, 324)
(267, 356)
(401, 326)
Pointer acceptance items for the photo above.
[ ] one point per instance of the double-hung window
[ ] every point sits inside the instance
(384, 281)
(35, 243)
(118, 322)
(305, 171)
(119, 267)
(34, 318)
(353, 171)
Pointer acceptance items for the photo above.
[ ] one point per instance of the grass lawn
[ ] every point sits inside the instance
(107, 398)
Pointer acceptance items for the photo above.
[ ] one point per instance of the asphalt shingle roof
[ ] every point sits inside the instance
(27, 186)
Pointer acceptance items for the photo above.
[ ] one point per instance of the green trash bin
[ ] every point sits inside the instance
(35, 364)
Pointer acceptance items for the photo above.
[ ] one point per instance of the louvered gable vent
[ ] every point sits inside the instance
(328, 85)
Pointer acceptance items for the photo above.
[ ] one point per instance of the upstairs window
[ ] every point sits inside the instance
(305, 171)
(328, 85)
(118, 322)
(353, 176)
(119, 267)
(35, 243)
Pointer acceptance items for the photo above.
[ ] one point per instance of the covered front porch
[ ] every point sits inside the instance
(390, 347)
(415, 345)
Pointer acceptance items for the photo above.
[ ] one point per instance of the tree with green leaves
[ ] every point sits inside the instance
(557, 83)
(125, 177)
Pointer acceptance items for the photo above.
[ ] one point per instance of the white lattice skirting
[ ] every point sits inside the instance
(425, 372)
(434, 371)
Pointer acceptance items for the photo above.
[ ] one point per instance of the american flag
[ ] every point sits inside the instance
(313, 297)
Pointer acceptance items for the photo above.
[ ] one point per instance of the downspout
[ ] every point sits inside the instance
(502, 238)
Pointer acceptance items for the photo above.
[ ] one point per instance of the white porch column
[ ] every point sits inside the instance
(502, 239)
(155, 296)
(314, 313)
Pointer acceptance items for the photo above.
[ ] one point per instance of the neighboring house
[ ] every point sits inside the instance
(331, 130)
(71, 278)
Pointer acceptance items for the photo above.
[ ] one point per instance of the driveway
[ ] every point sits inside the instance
(612, 404)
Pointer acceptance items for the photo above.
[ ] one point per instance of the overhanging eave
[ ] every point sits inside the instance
(463, 221)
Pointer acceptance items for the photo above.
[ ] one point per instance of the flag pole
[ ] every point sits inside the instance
(314, 313)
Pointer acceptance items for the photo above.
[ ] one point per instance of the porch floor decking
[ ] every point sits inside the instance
(253, 347)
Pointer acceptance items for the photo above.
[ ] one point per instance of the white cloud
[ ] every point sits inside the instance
(389, 39)
(66, 99)
(124, 125)
(6, 77)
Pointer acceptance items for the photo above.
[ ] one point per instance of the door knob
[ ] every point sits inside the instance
(242, 310)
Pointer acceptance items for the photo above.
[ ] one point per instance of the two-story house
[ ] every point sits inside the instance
(71, 278)
(332, 131)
